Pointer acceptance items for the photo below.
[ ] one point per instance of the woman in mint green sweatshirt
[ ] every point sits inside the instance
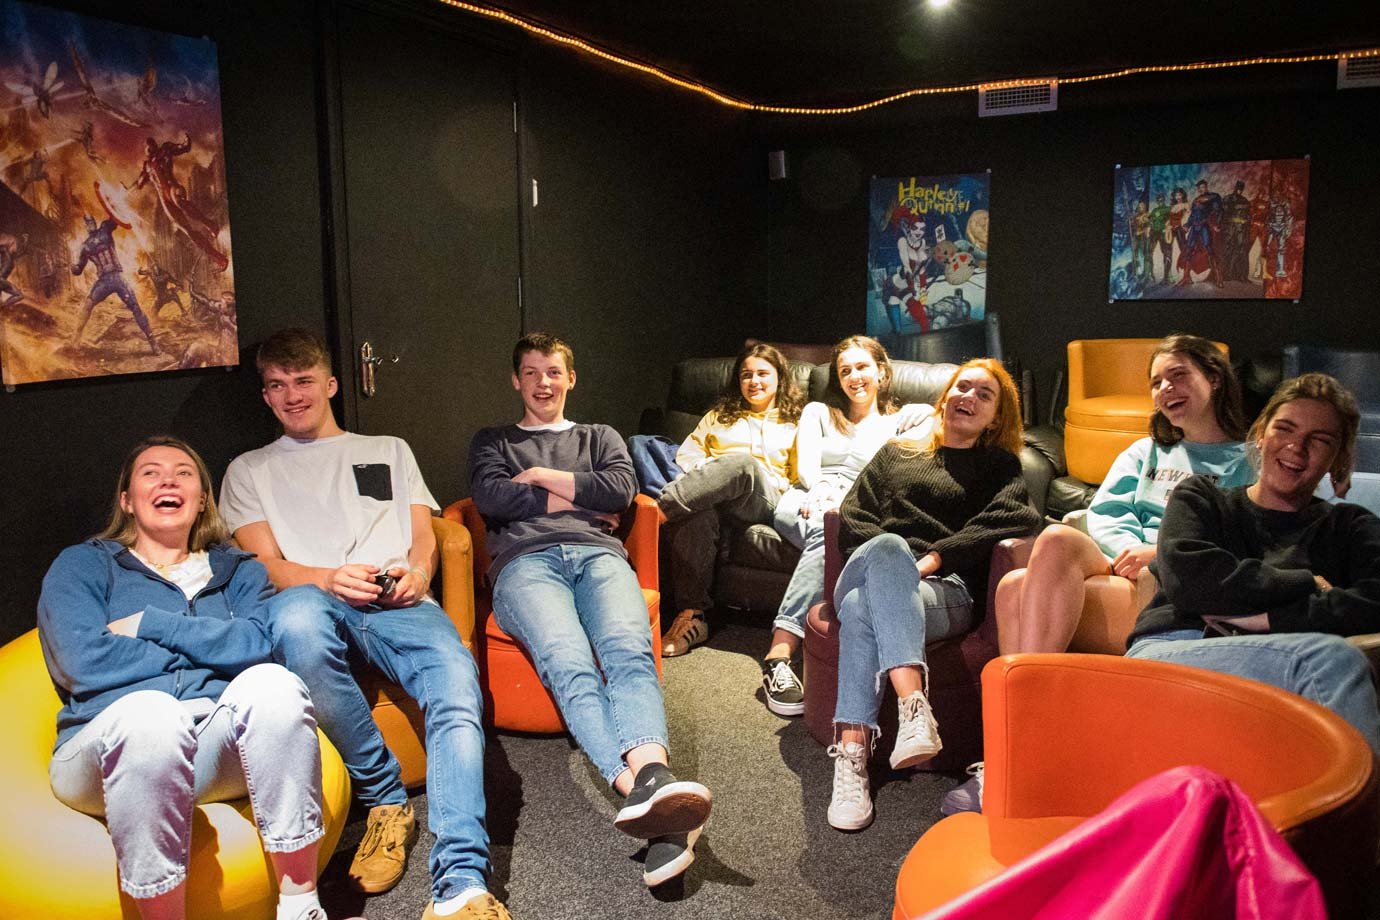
(1197, 427)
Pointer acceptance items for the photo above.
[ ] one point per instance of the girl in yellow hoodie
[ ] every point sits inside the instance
(736, 463)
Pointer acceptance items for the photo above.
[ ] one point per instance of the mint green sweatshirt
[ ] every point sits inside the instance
(1127, 508)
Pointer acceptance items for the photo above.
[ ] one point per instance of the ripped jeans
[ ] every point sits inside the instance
(886, 614)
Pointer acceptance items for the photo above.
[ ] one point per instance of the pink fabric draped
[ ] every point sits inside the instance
(1187, 844)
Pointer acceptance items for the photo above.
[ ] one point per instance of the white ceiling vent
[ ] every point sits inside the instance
(1355, 72)
(1042, 96)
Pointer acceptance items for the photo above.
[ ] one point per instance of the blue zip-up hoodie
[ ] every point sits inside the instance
(188, 649)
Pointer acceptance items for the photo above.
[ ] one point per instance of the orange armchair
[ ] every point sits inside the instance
(514, 697)
(398, 716)
(1066, 734)
(1109, 402)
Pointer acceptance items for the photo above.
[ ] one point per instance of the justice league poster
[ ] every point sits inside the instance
(114, 223)
(1209, 230)
(927, 255)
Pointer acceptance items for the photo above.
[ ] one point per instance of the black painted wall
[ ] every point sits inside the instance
(646, 247)
(1052, 199)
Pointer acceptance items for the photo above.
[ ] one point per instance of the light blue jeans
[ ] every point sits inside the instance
(569, 605)
(316, 634)
(806, 587)
(886, 614)
(143, 763)
(1319, 667)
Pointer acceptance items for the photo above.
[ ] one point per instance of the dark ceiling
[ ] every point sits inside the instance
(844, 51)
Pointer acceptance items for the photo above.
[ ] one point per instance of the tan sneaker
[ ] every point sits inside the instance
(480, 907)
(687, 630)
(382, 855)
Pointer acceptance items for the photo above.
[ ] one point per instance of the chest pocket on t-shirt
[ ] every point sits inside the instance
(374, 480)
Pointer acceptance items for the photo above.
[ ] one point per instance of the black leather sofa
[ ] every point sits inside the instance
(755, 563)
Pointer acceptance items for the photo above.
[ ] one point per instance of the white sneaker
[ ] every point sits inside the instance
(850, 806)
(967, 797)
(917, 736)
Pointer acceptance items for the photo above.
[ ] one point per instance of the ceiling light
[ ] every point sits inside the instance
(937, 4)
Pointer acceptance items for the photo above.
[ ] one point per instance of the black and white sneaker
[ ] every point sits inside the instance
(669, 856)
(660, 805)
(785, 692)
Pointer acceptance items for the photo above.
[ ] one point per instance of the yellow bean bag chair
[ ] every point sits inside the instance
(58, 864)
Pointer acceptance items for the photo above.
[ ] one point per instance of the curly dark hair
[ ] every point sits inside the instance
(1226, 396)
(731, 406)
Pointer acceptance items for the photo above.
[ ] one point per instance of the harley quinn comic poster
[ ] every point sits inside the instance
(927, 254)
(114, 221)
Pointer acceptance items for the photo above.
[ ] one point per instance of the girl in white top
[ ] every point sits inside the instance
(835, 440)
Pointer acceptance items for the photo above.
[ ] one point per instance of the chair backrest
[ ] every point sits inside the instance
(32, 703)
(639, 530)
(1066, 734)
(1108, 367)
(1111, 367)
(1359, 371)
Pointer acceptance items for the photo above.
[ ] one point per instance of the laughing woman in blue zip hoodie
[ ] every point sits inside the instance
(154, 635)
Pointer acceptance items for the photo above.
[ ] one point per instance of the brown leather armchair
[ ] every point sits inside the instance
(955, 664)
(398, 716)
(1067, 734)
(514, 697)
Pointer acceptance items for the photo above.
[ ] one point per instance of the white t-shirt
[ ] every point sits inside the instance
(330, 501)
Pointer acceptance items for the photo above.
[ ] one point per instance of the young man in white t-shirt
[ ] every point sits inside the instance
(329, 513)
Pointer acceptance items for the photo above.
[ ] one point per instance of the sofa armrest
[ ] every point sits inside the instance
(640, 530)
(833, 556)
(455, 576)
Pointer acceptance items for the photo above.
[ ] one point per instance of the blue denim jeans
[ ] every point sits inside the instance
(1319, 667)
(569, 605)
(806, 587)
(886, 614)
(143, 762)
(314, 634)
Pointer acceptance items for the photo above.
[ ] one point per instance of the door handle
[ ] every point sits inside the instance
(368, 362)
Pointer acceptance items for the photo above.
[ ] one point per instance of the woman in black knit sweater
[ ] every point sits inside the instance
(1263, 581)
(918, 527)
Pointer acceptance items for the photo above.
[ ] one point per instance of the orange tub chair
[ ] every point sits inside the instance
(514, 697)
(1067, 734)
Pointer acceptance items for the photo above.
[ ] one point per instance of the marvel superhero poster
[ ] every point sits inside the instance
(114, 225)
(1209, 230)
(927, 255)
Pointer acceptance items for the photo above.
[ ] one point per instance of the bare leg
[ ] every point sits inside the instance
(854, 734)
(638, 758)
(295, 871)
(170, 905)
(906, 681)
(783, 644)
(1008, 612)
(1052, 593)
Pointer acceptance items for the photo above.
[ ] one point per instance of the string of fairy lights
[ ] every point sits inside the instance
(585, 47)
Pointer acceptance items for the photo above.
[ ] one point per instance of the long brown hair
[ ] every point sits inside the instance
(731, 405)
(1005, 431)
(208, 528)
(838, 401)
(1226, 396)
(1326, 389)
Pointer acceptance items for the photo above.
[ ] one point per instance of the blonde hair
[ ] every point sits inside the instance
(1325, 389)
(1005, 431)
(207, 530)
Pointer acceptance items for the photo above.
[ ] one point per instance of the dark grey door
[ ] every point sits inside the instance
(428, 261)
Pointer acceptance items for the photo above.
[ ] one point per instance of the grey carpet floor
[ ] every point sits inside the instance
(767, 853)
